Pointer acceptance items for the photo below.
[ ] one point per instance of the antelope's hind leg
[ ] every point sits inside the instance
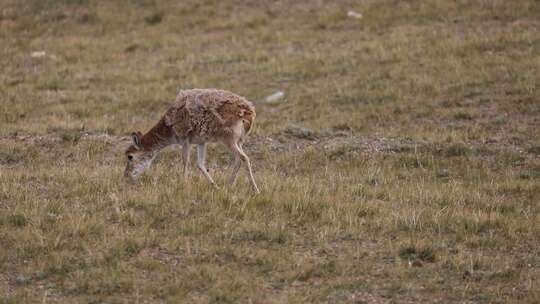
(236, 166)
(239, 154)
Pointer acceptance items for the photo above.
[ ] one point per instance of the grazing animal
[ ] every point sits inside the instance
(198, 116)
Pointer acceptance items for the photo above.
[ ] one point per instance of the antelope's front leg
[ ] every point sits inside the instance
(201, 163)
(186, 152)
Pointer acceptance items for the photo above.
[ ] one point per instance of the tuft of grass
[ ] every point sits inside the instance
(534, 150)
(457, 149)
(71, 136)
(463, 116)
(425, 254)
(17, 220)
(154, 18)
(530, 174)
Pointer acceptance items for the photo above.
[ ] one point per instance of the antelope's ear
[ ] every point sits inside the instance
(136, 137)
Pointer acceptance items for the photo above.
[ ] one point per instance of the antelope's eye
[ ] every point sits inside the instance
(130, 157)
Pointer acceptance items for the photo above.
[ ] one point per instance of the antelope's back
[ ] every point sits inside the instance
(209, 112)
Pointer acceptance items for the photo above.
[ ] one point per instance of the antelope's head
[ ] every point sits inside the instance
(138, 158)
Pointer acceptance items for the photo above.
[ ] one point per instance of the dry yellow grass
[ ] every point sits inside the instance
(401, 167)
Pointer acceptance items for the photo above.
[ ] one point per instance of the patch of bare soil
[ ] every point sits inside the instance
(285, 142)
(5, 288)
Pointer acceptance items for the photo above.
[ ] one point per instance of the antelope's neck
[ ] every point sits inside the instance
(159, 137)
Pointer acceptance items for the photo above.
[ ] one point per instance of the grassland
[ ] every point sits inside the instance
(402, 166)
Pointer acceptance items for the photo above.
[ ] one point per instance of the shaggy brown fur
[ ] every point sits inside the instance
(208, 114)
(198, 116)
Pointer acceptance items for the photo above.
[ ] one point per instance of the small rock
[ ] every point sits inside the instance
(300, 132)
(275, 97)
(40, 275)
(20, 279)
(443, 173)
(38, 54)
(290, 49)
(50, 285)
(296, 283)
(355, 15)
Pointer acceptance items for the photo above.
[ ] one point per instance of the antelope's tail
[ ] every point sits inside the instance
(247, 113)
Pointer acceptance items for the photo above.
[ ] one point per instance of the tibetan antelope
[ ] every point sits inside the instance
(198, 116)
